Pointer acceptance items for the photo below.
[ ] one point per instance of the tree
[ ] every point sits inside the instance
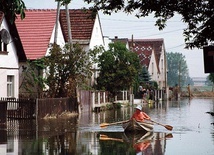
(12, 8)
(59, 73)
(211, 78)
(177, 69)
(66, 69)
(144, 76)
(32, 83)
(198, 15)
(118, 68)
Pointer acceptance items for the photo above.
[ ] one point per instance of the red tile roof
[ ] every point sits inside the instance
(35, 31)
(36, 28)
(144, 47)
(82, 23)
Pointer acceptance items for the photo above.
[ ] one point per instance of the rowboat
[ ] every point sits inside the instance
(135, 126)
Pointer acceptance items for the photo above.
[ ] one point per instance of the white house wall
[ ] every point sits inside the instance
(60, 39)
(9, 66)
(162, 68)
(152, 69)
(96, 40)
(97, 36)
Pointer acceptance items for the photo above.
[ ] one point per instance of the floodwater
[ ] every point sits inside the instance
(192, 134)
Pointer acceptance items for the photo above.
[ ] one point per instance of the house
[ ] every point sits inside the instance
(85, 30)
(10, 56)
(37, 31)
(152, 55)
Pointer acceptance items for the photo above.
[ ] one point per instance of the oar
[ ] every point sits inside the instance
(108, 124)
(168, 127)
(105, 137)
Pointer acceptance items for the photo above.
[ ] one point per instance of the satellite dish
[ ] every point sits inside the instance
(5, 36)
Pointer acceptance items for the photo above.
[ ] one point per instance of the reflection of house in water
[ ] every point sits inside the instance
(159, 144)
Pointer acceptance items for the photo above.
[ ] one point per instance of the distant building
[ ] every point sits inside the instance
(199, 81)
(151, 53)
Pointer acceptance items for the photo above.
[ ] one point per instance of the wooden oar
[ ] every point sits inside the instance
(103, 125)
(168, 127)
(105, 137)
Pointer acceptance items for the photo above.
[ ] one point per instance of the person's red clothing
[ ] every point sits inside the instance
(141, 146)
(140, 116)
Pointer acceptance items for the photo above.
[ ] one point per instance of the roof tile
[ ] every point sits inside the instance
(82, 23)
(35, 31)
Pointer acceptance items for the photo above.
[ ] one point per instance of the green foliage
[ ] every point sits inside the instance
(12, 8)
(144, 76)
(177, 69)
(198, 15)
(118, 68)
(211, 77)
(33, 82)
(60, 72)
(66, 69)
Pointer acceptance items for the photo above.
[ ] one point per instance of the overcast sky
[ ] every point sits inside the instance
(124, 26)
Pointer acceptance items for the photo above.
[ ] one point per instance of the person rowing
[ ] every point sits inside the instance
(139, 115)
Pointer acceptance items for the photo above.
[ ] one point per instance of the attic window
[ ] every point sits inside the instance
(3, 48)
(4, 41)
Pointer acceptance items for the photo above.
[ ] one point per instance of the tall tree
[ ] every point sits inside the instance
(118, 68)
(12, 8)
(59, 73)
(198, 15)
(66, 69)
(178, 72)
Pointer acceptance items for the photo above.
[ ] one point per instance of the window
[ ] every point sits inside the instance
(3, 47)
(4, 40)
(10, 86)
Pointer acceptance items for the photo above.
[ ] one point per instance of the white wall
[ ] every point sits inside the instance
(153, 71)
(96, 40)
(97, 36)
(9, 66)
(60, 39)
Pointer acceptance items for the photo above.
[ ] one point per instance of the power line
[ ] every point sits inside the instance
(137, 21)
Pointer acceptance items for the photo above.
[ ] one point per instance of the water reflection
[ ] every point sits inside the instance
(83, 135)
(134, 143)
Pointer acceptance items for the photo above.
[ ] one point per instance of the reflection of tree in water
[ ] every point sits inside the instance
(59, 135)
(62, 144)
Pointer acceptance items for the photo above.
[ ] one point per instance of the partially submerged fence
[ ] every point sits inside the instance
(31, 108)
(19, 108)
(54, 106)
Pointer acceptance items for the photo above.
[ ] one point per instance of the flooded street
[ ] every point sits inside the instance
(192, 133)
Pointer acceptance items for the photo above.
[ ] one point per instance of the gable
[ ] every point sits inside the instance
(35, 31)
(82, 23)
(144, 48)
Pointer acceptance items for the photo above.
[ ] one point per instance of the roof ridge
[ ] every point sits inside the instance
(31, 10)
